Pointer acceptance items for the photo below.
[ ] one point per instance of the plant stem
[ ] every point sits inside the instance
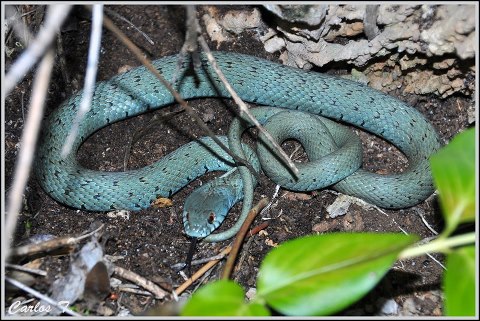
(439, 245)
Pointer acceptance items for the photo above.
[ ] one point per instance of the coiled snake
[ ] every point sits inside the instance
(257, 81)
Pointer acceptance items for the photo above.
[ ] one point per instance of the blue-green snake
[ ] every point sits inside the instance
(258, 81)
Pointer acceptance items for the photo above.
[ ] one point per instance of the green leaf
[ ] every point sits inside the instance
(459, 282)
(322, 274)
(222, 298)
(453, 169)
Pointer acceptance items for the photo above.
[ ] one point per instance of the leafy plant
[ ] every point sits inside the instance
(295, 281)
(453, 170)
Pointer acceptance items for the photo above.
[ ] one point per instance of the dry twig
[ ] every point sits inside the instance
(134, 291)
(244, 109)
(91, 75)
(158, 292)
(240, 236)
(28, 143)
(138, 54)
(193, 27)
(56, 15)
(119, 16)
(33, 249)
(40, 296)
(181, 265)
(26, 269)
(200, 272)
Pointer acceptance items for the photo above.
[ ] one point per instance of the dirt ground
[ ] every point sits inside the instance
(151, 241)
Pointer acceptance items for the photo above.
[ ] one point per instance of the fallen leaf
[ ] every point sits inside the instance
(162, 202)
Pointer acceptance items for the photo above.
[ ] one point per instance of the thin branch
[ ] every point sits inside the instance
(438, 245)
(21, 30)
(274, 197)
(245, 252)
(91, 75)
(63, 65)
(119, 16)
(201, 281)
(258, 228)
(50, 245)
(134, 291)
(240, 236)
(28, 143)
(11, 18)
(55, 17)
(405, 232)
(193, 27)
(192, 32)
(25, 269)
(138, 54)
(190, 45)
(181, 265)
(426, 223)
(41, 296)
(157, 291)
(436, 261)
(200, 272)
(243, 107)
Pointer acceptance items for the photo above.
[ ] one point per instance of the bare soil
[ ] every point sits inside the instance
(152, 240)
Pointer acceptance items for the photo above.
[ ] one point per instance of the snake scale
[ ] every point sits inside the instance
(255, 80)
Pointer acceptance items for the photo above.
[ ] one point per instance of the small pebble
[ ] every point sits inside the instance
(389, 307)
(251, 293)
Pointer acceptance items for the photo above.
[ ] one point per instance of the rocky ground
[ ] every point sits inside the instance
(422, 54)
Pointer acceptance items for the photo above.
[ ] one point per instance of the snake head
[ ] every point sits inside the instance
(206, 208)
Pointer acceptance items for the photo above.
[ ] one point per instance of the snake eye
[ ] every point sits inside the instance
(211, 218)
